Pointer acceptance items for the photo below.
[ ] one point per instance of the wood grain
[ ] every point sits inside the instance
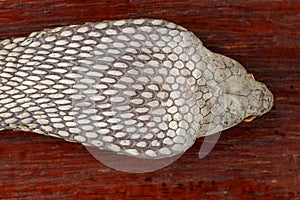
(259, 160)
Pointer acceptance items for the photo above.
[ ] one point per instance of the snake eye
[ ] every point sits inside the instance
(251, 76)
(249, 119)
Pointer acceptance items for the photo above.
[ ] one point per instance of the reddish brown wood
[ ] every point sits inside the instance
(259, 160)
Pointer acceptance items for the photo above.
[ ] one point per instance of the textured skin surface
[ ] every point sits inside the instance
(145, 88)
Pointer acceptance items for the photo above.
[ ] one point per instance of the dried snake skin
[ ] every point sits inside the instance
(145, 88)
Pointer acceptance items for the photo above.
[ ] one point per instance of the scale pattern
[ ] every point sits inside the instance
(143, 88)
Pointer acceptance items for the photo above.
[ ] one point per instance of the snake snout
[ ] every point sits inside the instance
(268, 100)
(260, 101)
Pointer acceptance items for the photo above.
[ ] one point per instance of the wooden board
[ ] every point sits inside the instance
(259, 160)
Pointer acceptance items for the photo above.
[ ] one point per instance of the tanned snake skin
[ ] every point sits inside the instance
(145, 88)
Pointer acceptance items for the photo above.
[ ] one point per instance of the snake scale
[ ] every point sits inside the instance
(145, 88)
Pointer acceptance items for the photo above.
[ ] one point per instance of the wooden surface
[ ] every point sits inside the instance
(259, 160)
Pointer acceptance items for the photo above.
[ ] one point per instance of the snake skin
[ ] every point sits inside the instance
(145, 88)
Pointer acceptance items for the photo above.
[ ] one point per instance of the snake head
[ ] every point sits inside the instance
(244, 98)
